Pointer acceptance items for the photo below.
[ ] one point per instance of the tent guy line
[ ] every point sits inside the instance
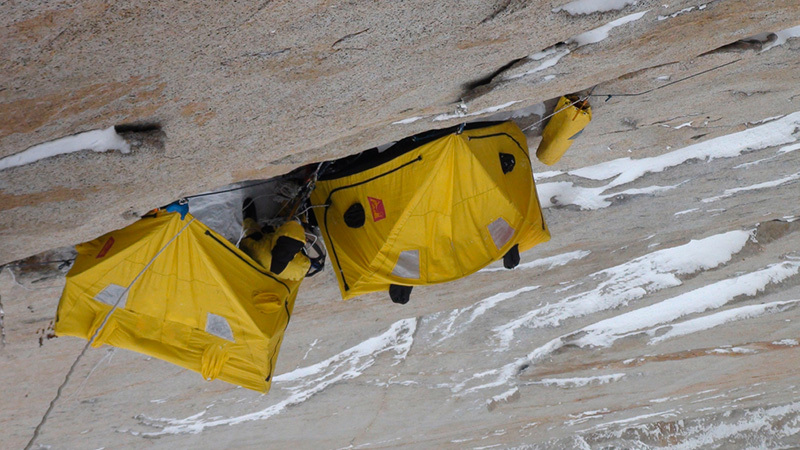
(608, 96)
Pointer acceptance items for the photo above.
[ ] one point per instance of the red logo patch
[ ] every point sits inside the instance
(106, 248)
(378, 211)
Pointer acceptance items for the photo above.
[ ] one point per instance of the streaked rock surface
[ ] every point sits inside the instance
(246, 91)
(438, 372)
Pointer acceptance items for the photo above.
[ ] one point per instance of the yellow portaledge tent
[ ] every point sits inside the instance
(432, 208)
(184, 294)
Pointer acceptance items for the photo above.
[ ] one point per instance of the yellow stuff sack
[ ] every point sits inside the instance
(566, 125)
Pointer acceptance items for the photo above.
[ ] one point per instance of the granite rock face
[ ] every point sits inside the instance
(243, 91)
(612, 335)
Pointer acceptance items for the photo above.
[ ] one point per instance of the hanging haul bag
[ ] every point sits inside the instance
(566, 124)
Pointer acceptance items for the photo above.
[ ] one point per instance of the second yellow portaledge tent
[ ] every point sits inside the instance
(432, 208)
(183, 294)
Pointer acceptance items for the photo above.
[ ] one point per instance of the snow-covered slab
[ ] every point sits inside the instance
(586, 416)
(756, 187)
(626, 170)
(304, 382)
(716, 295)
(623, 283)
(677, 13)
(789, 149)
(721, 318)
(720, 427)
(549, 262)
(621, 171)
(503, 397)
(632, 281)
(567, 193)
(538, 176)
(635, 419)
(686, 211)
(575, 382)
(458, 319)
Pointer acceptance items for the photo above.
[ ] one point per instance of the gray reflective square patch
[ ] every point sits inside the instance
(219, 326)
(501, 232)
(407, 265)
(111, 293)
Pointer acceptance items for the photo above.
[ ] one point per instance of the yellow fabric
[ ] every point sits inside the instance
(436, 204)
(250, 226)
(176, 309)
(561, 130)
(261, 249)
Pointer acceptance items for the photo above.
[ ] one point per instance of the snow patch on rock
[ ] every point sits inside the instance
(585, 7)
(602, 33)
(96, 140)
(781, 37)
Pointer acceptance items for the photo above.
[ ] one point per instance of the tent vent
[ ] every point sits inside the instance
(219, 326)
(354, 217)
(111, 294)
(507, 162)
(501, 232)
(407, 265)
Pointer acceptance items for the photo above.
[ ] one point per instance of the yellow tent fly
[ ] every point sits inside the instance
(566, 124)
(183, 294)
(432, 208)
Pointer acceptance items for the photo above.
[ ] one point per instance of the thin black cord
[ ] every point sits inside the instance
(664, 85)
(227, 190)
(579, 100)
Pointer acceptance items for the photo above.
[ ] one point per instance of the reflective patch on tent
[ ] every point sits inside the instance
(111, 294)
(219, 326)
(501, 232)
(407, 265)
